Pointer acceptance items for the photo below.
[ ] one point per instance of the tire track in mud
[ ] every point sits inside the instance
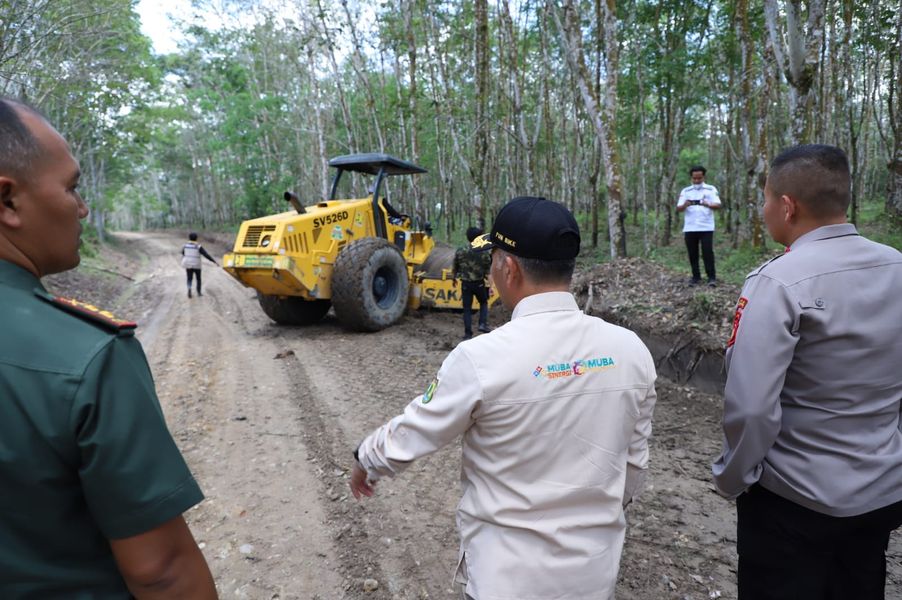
(231, 411)
(355, 382)
(347, 525)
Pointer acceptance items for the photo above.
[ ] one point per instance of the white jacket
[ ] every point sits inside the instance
(555, 410)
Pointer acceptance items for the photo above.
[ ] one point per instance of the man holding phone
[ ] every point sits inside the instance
(699, 201)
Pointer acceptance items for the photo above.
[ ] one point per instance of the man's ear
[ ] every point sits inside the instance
(511, 268)
(790, 208)
(9, 216)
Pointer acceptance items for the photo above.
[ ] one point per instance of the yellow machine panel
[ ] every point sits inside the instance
(291, 254)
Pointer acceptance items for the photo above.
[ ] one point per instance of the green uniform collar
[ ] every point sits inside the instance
(15, 276)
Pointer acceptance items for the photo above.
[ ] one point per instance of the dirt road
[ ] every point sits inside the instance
(267, 417)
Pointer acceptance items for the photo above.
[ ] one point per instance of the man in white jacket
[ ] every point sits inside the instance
(555, 411)
(191, 253)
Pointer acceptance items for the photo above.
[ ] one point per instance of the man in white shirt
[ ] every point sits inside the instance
(555, 412)
(699, 201)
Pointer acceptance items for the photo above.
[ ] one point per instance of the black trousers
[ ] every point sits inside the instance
(706, 238)
(789, 552)
(192, 273)
(468, 291)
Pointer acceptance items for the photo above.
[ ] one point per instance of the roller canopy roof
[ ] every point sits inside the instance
(372, 163)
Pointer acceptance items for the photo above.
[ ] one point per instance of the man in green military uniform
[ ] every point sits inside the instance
(472, 268)
(93, 486)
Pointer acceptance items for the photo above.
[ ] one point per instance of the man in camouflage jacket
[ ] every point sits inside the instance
(472, 268)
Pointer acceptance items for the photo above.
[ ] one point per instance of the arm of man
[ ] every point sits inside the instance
(164, 563)
(133, 477)
(428, 423)
(486, 265)
(207, 256)
(456, 264)
(712, 199)
(765, 336)
(682, 202)
(637, 458)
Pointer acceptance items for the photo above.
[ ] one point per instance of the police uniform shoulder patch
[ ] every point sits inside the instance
(89, 312)
(737, 316)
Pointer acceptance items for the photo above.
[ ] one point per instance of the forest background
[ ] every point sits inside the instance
(600, 104)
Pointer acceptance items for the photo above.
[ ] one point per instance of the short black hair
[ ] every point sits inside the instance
(19, 149)
(473, 233)
(695, 168)
(192, 236)
(817, 175)
(546, 271)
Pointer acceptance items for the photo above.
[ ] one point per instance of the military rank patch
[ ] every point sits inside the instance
(430, 391)
(88, 311)
(739, 308)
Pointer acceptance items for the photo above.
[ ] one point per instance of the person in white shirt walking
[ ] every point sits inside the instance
(191, 253)
(699, 201)
(555, 411)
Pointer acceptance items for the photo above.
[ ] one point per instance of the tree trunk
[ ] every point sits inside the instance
(481, 138)
(524, 146)
(604, 122)
(358, 62)
(749, 157)
(412, 108)
(799, 58)
(326, 36)
(894, 100)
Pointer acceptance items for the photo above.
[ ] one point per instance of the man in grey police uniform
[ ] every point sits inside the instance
(92, 486)
(813, 447)
(555, 412)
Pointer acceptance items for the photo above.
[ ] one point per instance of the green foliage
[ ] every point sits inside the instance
(877, 225)
(704, 306)
(90, 242)
(214, 134)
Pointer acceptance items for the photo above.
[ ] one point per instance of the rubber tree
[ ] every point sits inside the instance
(798, 52)
(481, 136)
(894, 99)
(603, 118)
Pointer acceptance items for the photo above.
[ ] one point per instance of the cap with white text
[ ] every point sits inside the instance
(531, 227)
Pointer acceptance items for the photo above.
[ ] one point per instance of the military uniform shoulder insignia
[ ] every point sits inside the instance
(89, 312)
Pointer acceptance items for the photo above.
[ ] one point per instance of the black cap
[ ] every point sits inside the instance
(531, 227)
